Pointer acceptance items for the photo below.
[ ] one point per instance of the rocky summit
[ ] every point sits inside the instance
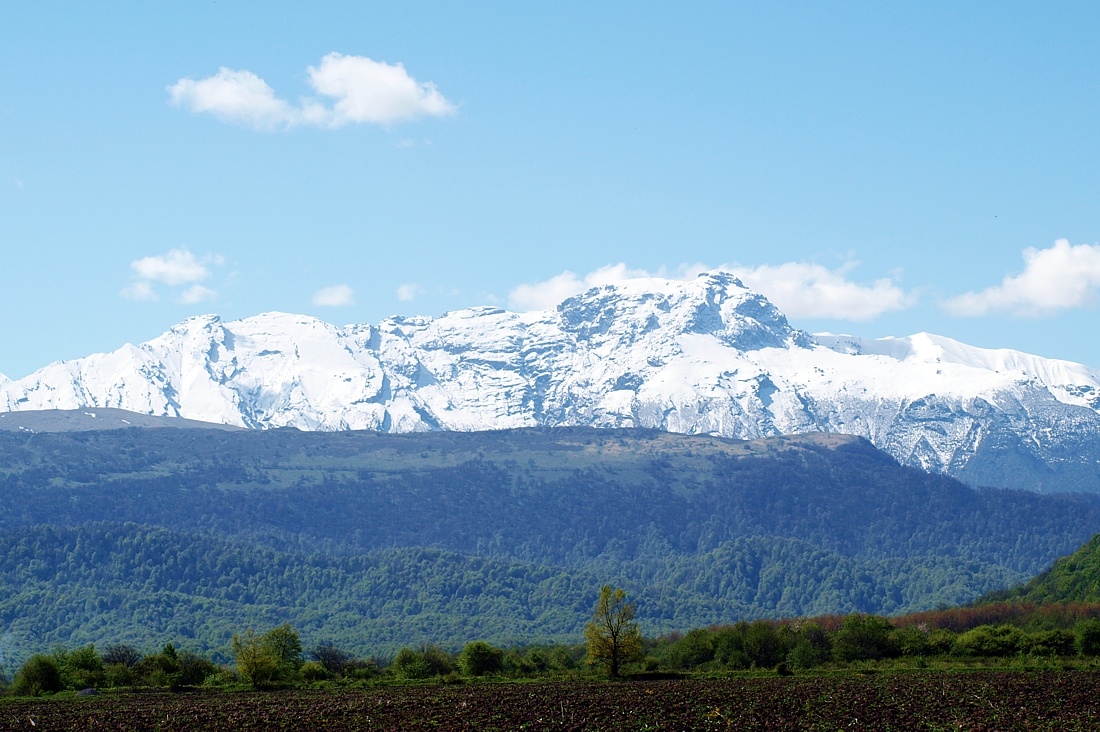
(702, 356)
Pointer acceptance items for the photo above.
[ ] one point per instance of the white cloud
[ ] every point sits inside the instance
(197, 293)
(234, 96)
(360, 89)
(548, 293)
(797, 288)
(408, 292)
(804, 290)
(139, 292)
(334, 297)
(1059, 278)
(366, 90)
(177, 267)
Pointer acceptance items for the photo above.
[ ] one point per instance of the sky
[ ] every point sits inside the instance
(878, 169)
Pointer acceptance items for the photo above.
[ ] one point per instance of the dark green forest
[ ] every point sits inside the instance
(378, 541)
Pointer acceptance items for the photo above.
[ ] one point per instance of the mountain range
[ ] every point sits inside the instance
(707, 356)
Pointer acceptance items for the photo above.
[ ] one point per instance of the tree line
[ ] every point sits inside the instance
(614, 646)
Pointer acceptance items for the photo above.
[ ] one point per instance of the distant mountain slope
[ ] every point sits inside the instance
(1072, 578)
(706, 356)
(548, 494)
(83, 420)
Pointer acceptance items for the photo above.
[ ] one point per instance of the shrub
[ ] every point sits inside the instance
(763, 644)
(479, 658)
(439, 661)
(81, 668)
(562, 659)
(911, 641)
(194, 670)
(1087, 637)
(331, 658)
(812, 649)
(39, 675)
(118, 674)
(989, 640)
(1049, 643)
(409, 664)
(694, 649)
(315, 671)
(265, 659)
(864, 637)
(159, 669)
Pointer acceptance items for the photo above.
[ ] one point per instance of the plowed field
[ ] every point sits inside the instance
(963, 701)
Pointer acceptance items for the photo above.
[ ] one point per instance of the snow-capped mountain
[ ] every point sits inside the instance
(705, 356)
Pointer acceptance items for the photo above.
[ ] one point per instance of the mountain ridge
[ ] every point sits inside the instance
(708, 356)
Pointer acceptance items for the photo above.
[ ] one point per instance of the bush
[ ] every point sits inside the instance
(358, 669)
(194, 670)
(864, 638)
(940, 642)
(1049, 643)
(479, 659)
(160, 669)
(989, 640)
(118, 674)
(331, 658)
(39, 675)
(911, 641)
(81, 668)
(1087, 637)
(562, 659)
(409, 664)
(764, 645)
(694, 649)
(315, 671)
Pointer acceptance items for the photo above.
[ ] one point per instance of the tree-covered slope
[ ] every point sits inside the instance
(384, 540)
(1072, 578)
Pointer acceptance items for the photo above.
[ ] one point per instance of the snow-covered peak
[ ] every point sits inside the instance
(707, 355)
(1070, 382)
(715, 303)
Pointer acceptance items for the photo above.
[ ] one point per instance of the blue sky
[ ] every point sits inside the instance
(876, 168)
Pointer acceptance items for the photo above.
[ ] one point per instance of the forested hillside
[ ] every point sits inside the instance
(379, 541)
(1072, 578)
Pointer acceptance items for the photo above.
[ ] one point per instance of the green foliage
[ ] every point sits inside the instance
(694, 649)
(284, 644)
(333, 660)
(763, 644)
(287, 527)
(989, 640)
(479, 658)
(314, 671)
(813, 647)
(159, 669)
(1087, 637)
(1055, 642)
(864, 637)
(410, 664)
(39, 675)
(257, 663)
(911, 640)
(613, 638)
(1073, 578)
(81, 668)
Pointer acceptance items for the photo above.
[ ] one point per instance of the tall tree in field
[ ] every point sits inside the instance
(613, 636)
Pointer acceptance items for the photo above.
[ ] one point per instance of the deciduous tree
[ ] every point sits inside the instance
(613, 636)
